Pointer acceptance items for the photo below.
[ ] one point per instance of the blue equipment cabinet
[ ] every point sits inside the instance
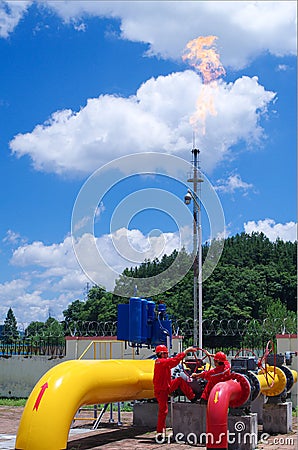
(141, 322)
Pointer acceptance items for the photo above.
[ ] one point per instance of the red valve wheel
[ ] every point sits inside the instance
(198, 363)
(245, 351)
(263, 364)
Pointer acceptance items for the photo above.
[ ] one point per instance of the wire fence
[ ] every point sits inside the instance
(229, 335)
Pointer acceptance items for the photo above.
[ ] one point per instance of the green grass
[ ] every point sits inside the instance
(125, 406)
(12, 401)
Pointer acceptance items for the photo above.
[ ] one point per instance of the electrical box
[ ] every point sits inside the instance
(243, 364)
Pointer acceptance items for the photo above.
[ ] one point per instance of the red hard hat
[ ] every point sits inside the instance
(220, 356)
(161, 348)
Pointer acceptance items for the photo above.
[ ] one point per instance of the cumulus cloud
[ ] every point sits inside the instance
(245, 29)
(31, 304)
(53, 277)
(38, 254)
(156, 119)
(232, 184)
(11, 12)
(273, 230)
(16, 295)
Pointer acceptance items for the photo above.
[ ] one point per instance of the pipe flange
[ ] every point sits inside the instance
(255, 385)
(290, 377)
(245, 390)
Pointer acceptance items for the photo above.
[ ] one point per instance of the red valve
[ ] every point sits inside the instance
(264, 367)
(199, 362)
(244, 352)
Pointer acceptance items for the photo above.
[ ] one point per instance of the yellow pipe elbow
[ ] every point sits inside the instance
(58, 395)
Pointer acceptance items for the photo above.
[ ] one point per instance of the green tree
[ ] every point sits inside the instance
(34, 329)
(10, 329)
(100, 306)
(252, 277)
(277, 319)
(51, 330)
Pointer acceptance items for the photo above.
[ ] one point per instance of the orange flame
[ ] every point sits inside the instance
(201, 54)
(205, 60)
(204, 105)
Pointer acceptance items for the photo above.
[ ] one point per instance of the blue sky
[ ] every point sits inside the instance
(86, 83)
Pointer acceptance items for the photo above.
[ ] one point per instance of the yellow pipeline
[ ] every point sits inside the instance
(273, 382)
(294, 373)
(58, 395)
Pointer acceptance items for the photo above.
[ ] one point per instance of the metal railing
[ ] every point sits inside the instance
(53, 348)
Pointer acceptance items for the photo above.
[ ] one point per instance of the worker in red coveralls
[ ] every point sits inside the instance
(221, 372)
(164, 385)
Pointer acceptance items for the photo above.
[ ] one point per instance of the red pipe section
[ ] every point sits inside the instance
(234, 392)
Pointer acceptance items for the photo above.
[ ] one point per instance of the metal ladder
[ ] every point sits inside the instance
(97, 418)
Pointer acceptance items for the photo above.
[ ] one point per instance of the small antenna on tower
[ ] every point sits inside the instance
(193, 139)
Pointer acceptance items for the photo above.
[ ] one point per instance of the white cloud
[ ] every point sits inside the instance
(282, 68)
(38, 254)
(273, 230)
(104, 258)
(16, 295)
(13, 238)
(245, 29)
(233, 183)
(53, 278)
(31, 302)
(11, 12)
(156, 119)
(80, 27)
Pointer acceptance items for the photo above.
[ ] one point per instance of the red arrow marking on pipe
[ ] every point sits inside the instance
(38, 400)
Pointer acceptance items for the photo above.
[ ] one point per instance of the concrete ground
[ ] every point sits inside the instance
(111, 436)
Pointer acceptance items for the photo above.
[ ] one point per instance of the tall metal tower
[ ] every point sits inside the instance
(195, 193)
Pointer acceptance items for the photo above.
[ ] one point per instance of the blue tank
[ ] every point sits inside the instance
(123, 322)
(151, 318)
(144, 320)
(139, 322)
(135, 320)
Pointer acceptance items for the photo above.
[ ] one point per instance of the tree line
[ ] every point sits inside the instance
(254, 280)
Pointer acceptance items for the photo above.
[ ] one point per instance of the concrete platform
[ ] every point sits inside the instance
(277, 418)
(257, 407)
(189, 425)
(189, 422)
(145, 415)
(243, 432)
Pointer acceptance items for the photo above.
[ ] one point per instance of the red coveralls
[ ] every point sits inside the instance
(164, 385)
(214, 376)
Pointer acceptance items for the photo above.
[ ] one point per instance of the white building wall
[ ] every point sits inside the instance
(289, 343)
(19, 375)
